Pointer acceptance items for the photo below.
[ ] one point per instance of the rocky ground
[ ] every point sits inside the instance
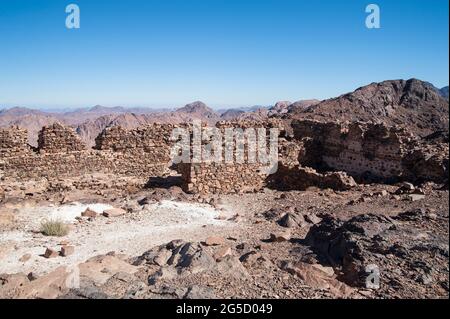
(164, 243)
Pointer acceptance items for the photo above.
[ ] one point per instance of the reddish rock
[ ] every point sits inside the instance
(114, 212)
(280, 237)
(67, 250)
(222, 253)
(50, 253)
(214, 241)
(89, 213)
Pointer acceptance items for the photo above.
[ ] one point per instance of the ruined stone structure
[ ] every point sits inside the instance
(301, 178)
(366, 151)
(234, 177)
(61, 154)
(59, 139)
(13, 142)
(144, 139)
(320, 154)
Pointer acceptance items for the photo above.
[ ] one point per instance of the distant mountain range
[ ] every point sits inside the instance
(412, 103)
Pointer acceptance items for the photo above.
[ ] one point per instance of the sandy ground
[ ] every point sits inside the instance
(131, 234)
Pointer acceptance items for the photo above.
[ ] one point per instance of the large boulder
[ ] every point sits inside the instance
(345, 244)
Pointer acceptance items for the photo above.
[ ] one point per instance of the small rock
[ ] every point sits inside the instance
(214, 241)
(280, 237)
(67, 250)
(415, 197)
(313, 219)
(405, 187)
(288, 221)
(50, 253)
(250, 257)
(89, 213)
(114, 212)
(222, 253)
(32, 276)
(329, 271)
(382, 193)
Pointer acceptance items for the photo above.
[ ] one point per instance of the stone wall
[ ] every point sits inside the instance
(216, 178)
(301, 178)
(54, 165)
(145, 138)
(313, 157)
(366, 151)
(60, 153)
(13, 142)
(227, 178)
(57, 138)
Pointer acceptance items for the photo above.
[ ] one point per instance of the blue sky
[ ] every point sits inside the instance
(224, 52)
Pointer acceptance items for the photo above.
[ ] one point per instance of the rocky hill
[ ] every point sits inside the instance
(444, 92)
(413, 103)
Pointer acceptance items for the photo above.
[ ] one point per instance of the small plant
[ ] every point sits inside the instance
(54, 228)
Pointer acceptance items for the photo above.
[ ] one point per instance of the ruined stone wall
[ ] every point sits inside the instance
(147, 144)
(227, 178)
(215, 178)
(13, 142)
(301, 178)
(145, 138)
(54, 165)
(363, 150)
(61, 153)
(357, 149)
(57, 138)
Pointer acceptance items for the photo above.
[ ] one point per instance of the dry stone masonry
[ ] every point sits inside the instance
(62, 154)
(235, 177)
(369, 151)
(59, 139)
(13, 142)
(319, 154)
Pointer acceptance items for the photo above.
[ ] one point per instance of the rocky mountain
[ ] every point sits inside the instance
(18, 111)
(231, 114)
(413, 104)
(284, 107)
(302, 105)
(199, 110)
(193, 111)
(258, 115)
(444, 92)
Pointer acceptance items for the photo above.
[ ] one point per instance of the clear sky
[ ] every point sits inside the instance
(223, 52)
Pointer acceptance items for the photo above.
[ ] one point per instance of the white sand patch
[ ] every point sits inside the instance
(68, 213)
(131, 234)
(184, 214)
